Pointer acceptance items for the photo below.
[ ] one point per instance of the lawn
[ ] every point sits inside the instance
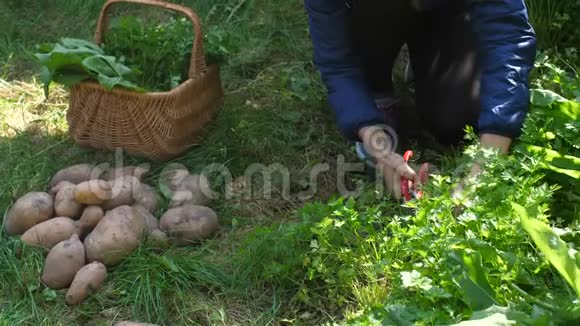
(302, 259)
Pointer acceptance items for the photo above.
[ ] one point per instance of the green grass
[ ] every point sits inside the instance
(259, 269)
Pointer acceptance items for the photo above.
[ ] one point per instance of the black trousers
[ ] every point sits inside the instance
(443, 56)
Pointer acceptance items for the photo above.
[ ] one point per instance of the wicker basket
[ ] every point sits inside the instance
(154, 125)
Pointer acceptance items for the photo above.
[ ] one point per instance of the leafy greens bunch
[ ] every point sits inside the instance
(136, 56)
(72, 60)
(162, 52)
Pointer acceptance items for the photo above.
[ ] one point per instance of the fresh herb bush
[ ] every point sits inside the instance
(505, 250)
(441, 260)
(552, 133)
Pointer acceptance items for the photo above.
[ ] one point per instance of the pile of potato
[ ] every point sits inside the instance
(92, 219)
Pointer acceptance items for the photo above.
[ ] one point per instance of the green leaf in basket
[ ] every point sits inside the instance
(80, 45)
(110, 72)
(111, 82)
(70, 78)
(72, 60)
(46, 78)
(101, 65)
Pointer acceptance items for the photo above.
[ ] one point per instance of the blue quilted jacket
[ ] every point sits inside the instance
(507, 46)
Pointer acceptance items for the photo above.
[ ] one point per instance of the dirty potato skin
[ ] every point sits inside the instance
(128, 171)
(147, 197)
(75, 174)
(123, 192)
(189, 224)
(151, 222)
(54, 190)
(31, 209)
(87, 280)
(155, 237)
(49, 233)
(116, 236)
(189, 189)
(91, 216)
(65, 203)
(93, 192)
(63, 262)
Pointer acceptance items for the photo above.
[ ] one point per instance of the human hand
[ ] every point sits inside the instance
(380, 145)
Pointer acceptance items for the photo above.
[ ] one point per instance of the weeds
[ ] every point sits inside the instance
(554, 23)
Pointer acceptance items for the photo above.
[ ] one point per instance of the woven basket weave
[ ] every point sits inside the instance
(155, 125)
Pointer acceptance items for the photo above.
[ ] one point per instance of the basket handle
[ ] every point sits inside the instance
(197, 65)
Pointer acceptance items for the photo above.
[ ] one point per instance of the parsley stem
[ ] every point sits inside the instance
(528, 296)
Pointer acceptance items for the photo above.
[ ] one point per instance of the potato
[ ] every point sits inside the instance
(174, 175)
(76, 174)
(65, 203)
(49, 233)
(92, 215)
(151, 222)
(123, 192)
(116, 236)
(127, 171)
(63, 262)
(82, 230)
(54, 190)
(189, 224)
(188, 189)
(147, 197)
(87, 280)
(156, 237)
(27, 211)
(93, 192)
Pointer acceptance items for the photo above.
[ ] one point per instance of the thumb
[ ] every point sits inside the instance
(406, 171)
(397, 162)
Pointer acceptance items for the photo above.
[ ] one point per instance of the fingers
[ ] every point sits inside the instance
(397, 187)
(389, 177)
(393, 160)
(380, 145)
(392, 181)
(406, 171)
(397, 162)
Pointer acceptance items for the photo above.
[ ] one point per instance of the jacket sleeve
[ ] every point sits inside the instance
(507, 47)
(348, 93)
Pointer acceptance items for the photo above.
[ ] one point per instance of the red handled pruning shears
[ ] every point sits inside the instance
(409, 189)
